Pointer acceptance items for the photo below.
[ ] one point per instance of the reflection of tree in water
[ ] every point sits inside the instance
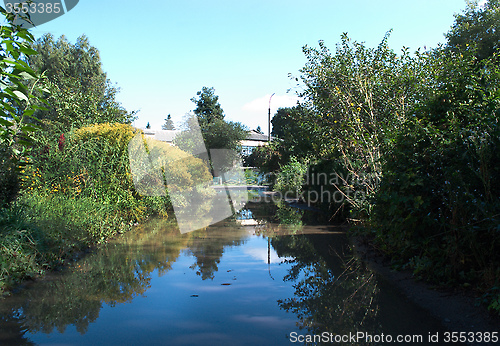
(261, 211)
(330, 295)
(288, 216)
(209, 253)
(115, 274)
(11, 330)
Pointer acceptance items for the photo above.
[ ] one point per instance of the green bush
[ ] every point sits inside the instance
(438, 206)
(290, 178)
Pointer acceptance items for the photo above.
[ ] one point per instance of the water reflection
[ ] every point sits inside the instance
(335, 297)
(116, 273)
(251, 284)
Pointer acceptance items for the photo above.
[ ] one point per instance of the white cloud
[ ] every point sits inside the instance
(261, 104)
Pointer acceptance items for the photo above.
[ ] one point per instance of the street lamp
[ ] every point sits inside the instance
(269, 120)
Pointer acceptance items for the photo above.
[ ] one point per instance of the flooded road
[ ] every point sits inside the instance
(264, 283)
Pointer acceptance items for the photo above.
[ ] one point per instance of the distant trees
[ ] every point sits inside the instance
(169, 124)
(288, 125)
(208, 109)
(217, 133)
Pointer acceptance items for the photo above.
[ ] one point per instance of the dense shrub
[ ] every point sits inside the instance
(290, 178)
(437, 210)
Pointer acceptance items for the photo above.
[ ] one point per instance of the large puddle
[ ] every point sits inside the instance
(231, 284)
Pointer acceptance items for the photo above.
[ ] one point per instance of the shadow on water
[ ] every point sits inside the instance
(323, 285)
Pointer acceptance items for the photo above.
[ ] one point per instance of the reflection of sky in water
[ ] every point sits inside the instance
(236, 303)
(261, 254)
(237, 307)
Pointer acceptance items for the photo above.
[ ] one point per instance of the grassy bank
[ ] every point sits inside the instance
(40, 233)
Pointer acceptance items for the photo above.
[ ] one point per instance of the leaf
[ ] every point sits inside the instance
(29, 128)
(26, 75)
(25, 142)
(27, 51)
(6, 122)
(29, 112)
(20, 95)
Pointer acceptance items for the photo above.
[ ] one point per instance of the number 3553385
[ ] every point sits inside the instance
(22, 7)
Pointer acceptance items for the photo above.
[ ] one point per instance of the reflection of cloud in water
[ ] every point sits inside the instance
(265, 320)
(261, 254)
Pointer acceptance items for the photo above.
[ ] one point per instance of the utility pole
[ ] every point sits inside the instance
(269, 120)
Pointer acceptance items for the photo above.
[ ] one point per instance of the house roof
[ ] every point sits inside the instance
(169, 135)
(255, 136)
(162, 135)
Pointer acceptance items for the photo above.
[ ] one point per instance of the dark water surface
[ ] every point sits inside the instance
(266, 284)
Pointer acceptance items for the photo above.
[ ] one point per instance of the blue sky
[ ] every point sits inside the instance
(160, 53)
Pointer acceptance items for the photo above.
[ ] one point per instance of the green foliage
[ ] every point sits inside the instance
(268, 158)
(77, 192)
(208, 108)
(416, 138)
(94, 163)
(289, 218)
(17, 104)
(358, 98)
(289, 126)
(478, 29)
(325, 189)
(290, 178)
(9, 180)
(217, 133)
(80, 93)
(438, 204)
(222, 134)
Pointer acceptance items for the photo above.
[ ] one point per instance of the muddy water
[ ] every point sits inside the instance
(263, 283)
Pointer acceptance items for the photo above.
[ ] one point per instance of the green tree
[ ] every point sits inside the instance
(80, 93)
(477, 28)
(148, 126)
(208, 109)
(437, 207)
(358, 98)
(289, 126)
(169, 124)
(217, 133)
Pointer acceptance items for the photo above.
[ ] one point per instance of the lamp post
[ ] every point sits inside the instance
(269, 120)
